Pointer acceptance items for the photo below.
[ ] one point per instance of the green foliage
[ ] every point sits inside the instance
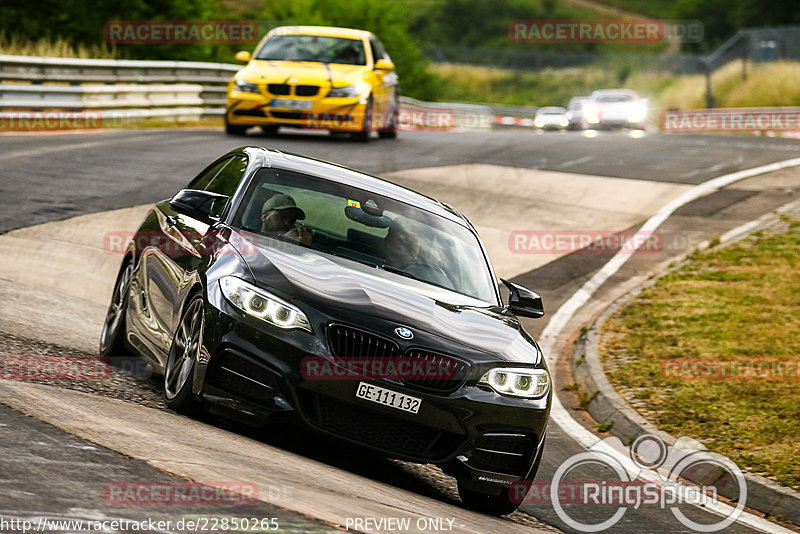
(387, 20)
(82, 22)
(721, 18)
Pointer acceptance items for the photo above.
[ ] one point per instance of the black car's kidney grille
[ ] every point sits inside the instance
(346, 342)
(447, 373)
(503, 453)
(306, 90)
(379, 430)
(450, 373)
(279, 88)
(235, 373)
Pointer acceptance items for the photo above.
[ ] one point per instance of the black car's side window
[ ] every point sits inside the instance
(202, 180)
(223, 177)
(227, 179)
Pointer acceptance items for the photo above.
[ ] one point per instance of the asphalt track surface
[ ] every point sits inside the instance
(52, 177)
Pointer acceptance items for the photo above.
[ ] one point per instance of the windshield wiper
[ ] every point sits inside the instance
(401, 272)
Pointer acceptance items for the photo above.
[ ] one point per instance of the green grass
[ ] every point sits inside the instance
(736, 304)
(58, 47)
(549, 87)
(650, 8)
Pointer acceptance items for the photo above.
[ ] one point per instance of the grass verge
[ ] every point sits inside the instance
(58, 47)
(738, 304)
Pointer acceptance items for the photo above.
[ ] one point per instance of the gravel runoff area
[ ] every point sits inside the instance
(132, 380)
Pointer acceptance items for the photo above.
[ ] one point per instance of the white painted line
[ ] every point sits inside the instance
(554, 328)
(572, 162)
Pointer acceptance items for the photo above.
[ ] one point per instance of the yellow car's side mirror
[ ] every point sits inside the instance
(384, 64)
(242, 57)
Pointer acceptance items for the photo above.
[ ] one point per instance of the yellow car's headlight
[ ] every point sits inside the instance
(347, 91)
(246, 87)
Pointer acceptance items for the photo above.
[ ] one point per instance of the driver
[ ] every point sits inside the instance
(279, 215)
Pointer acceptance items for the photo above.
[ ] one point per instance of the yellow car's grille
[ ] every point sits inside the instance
(279, 88)
(284, 89)
(306, 90)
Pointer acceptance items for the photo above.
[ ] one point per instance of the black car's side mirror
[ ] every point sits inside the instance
(202, 205)
(524, 302)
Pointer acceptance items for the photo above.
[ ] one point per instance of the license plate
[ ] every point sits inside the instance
(387, 397)
(290, 104)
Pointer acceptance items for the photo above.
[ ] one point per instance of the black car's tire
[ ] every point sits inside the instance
(495, 505)
(112, 339)
(179, 371)
(232, 129)
(366, 127)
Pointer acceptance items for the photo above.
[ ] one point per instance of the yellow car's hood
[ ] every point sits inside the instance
(301, 72)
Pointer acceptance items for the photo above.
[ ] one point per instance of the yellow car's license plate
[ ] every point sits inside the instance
(290, 104)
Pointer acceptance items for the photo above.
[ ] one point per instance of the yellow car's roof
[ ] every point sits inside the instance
(322, 31)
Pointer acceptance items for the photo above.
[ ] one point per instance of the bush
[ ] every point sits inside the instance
(387, 20)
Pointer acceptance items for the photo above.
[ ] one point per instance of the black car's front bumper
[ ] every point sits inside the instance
(485, 439)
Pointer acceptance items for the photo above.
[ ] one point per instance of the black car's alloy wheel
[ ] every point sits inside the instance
(182, 356)
(112, 340)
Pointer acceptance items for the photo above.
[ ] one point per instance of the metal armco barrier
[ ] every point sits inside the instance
(128, 89)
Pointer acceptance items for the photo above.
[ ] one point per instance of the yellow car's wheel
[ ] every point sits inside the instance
(234, 129)
(390, 130)
(366, 128)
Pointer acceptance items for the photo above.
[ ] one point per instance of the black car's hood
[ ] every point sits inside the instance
(346, 289)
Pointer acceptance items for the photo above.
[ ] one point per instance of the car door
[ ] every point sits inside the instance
(171, 266)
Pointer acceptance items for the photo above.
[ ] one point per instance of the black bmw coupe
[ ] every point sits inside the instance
(279, 284)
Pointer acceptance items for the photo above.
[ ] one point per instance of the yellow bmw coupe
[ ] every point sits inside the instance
(316, 77)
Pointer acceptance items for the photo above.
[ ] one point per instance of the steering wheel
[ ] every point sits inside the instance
(437, 271)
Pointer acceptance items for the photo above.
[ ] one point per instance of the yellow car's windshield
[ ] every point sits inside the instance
(313, 48)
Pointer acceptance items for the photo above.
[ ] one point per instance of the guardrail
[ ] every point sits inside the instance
(129, 89)
(108, 89)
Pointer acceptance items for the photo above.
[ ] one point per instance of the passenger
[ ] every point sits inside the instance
(279, 215)
(401, 246)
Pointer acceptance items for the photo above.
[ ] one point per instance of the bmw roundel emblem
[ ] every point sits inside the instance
(403, 332)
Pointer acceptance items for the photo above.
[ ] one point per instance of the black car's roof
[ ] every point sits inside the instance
(271, 158)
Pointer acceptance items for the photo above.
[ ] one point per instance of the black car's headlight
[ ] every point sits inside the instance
(263, 305)
(518, 381)
(348, 91)
(246, 87)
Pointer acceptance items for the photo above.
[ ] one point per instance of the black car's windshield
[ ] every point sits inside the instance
(368, 228)
(313, 48)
